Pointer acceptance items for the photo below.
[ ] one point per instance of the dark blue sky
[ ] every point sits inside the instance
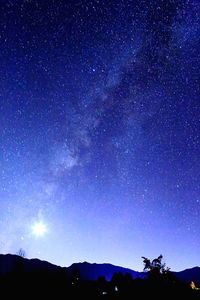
(100, 130)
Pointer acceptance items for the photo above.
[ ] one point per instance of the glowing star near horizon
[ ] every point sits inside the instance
(39, 229)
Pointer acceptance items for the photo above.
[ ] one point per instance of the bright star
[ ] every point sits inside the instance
(39, 229)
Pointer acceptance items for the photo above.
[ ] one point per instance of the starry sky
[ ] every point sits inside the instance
(100, 130)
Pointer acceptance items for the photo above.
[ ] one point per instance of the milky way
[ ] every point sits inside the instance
(100, 130)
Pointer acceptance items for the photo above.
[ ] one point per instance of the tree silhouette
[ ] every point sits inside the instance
(21, 252)
(156, 268)
(147, 264)
(155, 265)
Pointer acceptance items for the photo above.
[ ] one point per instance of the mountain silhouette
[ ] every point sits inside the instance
(8, 263)
(94, 271)
(188, 275)
(87, 271)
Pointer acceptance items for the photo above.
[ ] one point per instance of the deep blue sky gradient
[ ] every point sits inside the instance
(100, 130)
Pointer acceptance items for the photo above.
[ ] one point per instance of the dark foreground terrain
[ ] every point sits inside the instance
(45, 285)
(46, 281)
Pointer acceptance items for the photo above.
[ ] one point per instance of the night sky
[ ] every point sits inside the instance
(100, 130)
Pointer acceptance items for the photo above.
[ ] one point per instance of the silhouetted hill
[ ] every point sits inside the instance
(87, 271)
(189, 275)
(8, 263)
(94, 271)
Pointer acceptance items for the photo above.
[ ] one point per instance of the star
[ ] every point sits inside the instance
(39, 229)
